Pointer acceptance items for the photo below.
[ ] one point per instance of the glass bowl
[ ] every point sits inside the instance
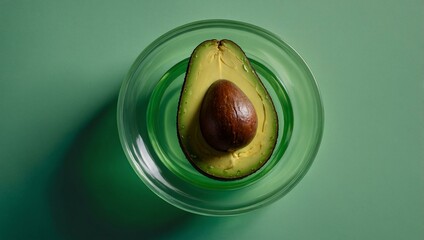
(147, 112)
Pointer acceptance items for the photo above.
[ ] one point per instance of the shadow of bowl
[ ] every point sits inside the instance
(96, 193)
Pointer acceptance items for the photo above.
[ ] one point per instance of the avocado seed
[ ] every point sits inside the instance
(228, 120)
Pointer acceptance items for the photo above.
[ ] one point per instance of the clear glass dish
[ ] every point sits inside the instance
(147, 110)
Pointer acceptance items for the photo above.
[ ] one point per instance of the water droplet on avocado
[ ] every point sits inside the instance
(245, 68)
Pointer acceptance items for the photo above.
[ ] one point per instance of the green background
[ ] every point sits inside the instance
(63, 174)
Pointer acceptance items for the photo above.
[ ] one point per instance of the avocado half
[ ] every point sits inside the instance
(210, 63)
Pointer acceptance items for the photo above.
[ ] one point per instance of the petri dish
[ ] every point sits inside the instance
(147, 112)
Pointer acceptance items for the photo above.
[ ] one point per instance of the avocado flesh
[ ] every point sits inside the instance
(211, 61)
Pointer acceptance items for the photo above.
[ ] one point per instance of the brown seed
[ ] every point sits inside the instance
(228, 120)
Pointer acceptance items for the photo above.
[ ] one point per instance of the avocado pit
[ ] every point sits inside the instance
(228, 120)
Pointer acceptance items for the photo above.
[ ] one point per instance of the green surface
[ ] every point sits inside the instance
(63, 175)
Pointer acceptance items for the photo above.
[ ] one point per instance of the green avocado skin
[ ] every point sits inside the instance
(212, 61)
